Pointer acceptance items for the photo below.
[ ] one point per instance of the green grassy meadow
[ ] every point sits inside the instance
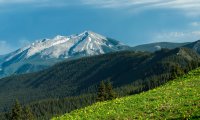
(178, 99)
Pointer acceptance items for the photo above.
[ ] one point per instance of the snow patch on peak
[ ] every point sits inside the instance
(38, 47)
(84, 44)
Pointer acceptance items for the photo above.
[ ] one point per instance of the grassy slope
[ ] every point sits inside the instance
(178, 99)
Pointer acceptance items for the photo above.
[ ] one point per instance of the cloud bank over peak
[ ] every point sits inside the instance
(190, 7)
(182, 4)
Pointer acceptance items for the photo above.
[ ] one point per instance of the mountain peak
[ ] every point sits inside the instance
(194, 45)
(89, 32)
(60, 47)
(59, 37)
(197, 41)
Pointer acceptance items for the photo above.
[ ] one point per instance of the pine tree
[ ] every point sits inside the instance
(101, 95)
(16, 113)
(28, 115)
(8, 116)
(109, 91)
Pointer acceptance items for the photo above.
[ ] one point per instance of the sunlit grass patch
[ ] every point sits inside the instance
(178, 99)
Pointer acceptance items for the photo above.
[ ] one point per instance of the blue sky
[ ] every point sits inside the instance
(132, 22)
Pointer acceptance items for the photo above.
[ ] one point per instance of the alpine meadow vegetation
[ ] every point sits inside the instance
(178, 99)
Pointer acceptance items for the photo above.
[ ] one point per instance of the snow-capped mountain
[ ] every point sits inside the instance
(46, 52)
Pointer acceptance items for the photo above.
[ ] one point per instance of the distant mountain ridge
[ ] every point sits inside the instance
(194, 45)
(152, 47)
(44, 53)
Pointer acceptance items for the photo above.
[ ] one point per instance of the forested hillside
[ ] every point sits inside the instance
(50, 90)
(152, 47)
(178, 99)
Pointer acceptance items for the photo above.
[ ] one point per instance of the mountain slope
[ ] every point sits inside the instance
(152, 47)
(178, 99)
(46, 52)
(194, 45)
(80, 76)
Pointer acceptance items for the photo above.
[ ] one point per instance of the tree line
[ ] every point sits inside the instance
(19, 113)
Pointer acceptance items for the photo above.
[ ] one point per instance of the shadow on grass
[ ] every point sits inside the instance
(187, 118)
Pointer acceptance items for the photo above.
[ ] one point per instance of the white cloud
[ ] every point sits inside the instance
(24, 42)
(190, 7)
(118, 3)
(5, 47)
(195, 24)
(177, 36)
